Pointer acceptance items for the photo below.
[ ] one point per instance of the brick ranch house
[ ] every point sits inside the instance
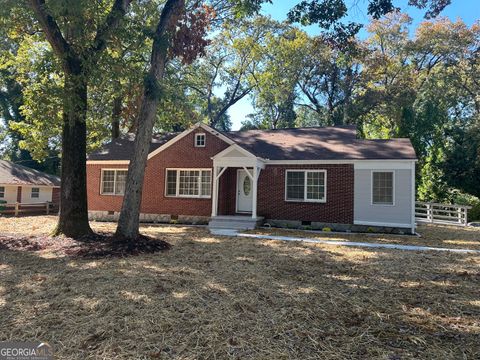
(306, 176)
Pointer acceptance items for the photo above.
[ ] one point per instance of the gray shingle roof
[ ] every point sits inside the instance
(328, 143)
(15, 174)
(314, 143)
(122, 148)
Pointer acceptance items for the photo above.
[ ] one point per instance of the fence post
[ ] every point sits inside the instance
(16, 208)
(466, 215)
(429, 212)
(459, 215)
(48, 207)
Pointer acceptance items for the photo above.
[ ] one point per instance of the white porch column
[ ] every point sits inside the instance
(254, 194)
(215, 191)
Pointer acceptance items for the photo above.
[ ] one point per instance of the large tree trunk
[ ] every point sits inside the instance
(73, 219)
(128, 222)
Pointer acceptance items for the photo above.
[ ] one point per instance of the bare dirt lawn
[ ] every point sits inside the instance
(213, 297)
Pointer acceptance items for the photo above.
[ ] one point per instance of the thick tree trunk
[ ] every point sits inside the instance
(73, 219)
(128, 222)
(116, 113)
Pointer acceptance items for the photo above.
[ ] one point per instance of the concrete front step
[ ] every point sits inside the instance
(234, 222)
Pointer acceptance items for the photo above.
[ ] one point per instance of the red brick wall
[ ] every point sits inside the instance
(271, 192)
(337, 209)
(227, 192)
(182, 154)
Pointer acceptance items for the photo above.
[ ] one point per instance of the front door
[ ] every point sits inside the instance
(244, 192)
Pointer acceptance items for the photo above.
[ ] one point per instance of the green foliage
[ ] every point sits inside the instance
(462, 165)
(474, 212)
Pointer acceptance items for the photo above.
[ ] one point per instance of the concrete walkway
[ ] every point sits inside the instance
(343, 243)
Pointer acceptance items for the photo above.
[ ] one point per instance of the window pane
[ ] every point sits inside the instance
(120, 180)
(171, 182)
(206, 182)
(189, 180)
(2, 191)
(35, 192)
(200, 140)
(108, 181)
(382, 188)
(295, 185)
(315, 185)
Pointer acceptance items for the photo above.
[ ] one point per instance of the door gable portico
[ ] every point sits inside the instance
(237, 157)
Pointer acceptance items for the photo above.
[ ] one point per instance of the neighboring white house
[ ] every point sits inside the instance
(19, 184)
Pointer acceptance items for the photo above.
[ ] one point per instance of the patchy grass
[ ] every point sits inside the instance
(218, 297)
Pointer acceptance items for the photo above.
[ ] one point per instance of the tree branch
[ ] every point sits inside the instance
(116, 14)
(52, 32)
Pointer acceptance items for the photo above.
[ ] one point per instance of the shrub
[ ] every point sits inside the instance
(474, 212)
(1, 205)
(326, 229)
(370, 230)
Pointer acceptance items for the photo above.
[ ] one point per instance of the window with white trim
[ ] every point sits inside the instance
(306, 185)
(113, 182)
(189, 183)
(35, 194)
(382, 187)
(200, 140)
(2, 192)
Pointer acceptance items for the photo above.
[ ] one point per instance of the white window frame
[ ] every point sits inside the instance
(197, 135)
(177, 184)
(2, 192)
(371, 187)
(305, 171)
(114, 181)
(36, 192)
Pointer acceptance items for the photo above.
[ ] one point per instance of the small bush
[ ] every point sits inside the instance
(2, 207)
(474, 212)
(326, 229)
(370, 230)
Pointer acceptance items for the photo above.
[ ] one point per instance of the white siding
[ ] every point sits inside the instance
(399, 214)
(44, 196)
(10, 194)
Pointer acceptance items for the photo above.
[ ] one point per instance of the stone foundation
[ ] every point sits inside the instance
(114, 215)
(294, 224)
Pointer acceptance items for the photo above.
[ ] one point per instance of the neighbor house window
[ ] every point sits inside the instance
(189, 183)
(35, 193)
(306, 185)
(113, 182)
(2, 191)
(382, 187)
(199, 140)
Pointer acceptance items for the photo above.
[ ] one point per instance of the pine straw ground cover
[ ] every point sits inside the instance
(235, 298)
(430, 235)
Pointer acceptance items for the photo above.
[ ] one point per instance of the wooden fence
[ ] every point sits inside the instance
(434, 213)
(26, 208)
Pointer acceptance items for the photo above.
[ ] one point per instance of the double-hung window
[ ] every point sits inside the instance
(382, 187)
(189, 183)
(113, 182)
(35, 194)
(306, 185)
(2, 192)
